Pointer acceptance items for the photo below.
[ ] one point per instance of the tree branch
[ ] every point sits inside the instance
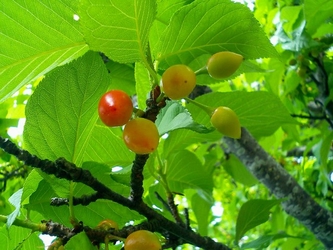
(298, 204)
(137, 178)
(320, 77)
(83, 200)
(66, 170)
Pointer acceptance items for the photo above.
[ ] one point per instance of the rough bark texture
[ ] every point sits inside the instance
(299, 203)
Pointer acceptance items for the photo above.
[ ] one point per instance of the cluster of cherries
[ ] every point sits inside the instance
(140, 135)
(178, 81)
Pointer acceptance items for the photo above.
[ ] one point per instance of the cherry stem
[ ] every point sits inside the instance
(138, 112)
(73, 219)
(160, 97)
(201, 71)
(162, 171)
(207, 109)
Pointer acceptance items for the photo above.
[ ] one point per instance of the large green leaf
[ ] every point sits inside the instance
(234, 167)
(289, 16)
(206, 27)
(184, 170)
(260, 112)
(122, 77)
(19, 238)
(106, 147)
(274, 78)
(40, 202)
(202, 209)
(143, 85)
(165, 10)
(118, 28)
(62, 119)
(252, 214)
(35, 37)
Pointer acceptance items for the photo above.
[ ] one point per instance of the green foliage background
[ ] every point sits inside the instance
(52, 75)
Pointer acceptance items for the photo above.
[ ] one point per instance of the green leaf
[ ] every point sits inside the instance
(118, 28)
(274, 78)
(62, 119)
(324, 29)
(299, 39)
(59, 186)
(38, 36)
(325, 149)
(174, 116)
(122, 77)
(167, 8)
(207, 27)
(102, 209)
(289, 16)
(291, 82)
(143, 85)
(40, 202)
(30, 185)
(103, 173)
(106, 147)
(184, 170)
(180, 139)
(251, 214)
(316, 13)
(98, 210)
(202, 209)
(260, 112)
(264, 241)
(80, 241)
(15, 200)
(235, 168)
(19, 238)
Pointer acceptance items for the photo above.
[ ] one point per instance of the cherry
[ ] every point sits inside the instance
(141, 136)
(115, 108)
(223, 64)
(178, 81)
(226, 122)
(107, 224)
(142, 240)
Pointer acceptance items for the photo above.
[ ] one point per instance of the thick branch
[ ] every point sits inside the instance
(298, 204)
(137, 178)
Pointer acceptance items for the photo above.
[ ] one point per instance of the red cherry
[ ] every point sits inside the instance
(115, 108)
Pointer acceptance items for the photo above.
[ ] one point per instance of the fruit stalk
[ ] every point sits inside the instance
(207, 109)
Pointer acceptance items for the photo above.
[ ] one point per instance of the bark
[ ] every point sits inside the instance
(298, 203)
